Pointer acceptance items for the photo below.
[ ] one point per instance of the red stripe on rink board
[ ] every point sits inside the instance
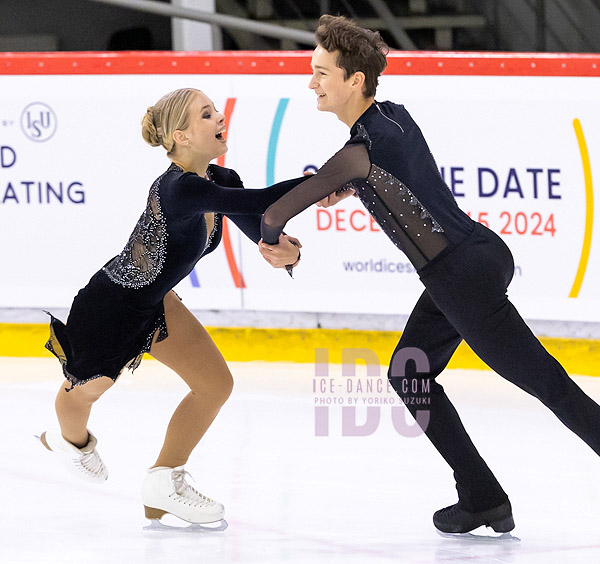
(229, 106)
(294, 62)
(238, 279)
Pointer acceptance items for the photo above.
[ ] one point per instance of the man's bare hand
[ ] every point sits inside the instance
(285, 253)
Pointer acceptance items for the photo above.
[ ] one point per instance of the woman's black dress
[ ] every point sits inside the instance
(113, 319)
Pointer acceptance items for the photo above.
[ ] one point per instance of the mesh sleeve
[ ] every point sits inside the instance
(350, 163)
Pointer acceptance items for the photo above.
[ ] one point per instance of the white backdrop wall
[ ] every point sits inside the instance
(75, 172)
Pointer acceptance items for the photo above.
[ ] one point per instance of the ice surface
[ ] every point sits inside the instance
(290, 496)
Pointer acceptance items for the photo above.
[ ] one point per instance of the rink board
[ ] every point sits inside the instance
(250, 344)
(516, 137)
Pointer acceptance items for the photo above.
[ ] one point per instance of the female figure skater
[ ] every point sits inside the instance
(128, 306)
(464, 266)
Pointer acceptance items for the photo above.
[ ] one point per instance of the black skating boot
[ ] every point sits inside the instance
(453, 519)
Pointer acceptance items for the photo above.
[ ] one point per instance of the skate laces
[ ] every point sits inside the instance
(186, 493)
(91, 462)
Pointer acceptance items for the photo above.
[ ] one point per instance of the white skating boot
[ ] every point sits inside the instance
(165, 490)
(85, 462)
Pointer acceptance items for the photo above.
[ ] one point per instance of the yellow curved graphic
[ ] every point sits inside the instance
(589, 210)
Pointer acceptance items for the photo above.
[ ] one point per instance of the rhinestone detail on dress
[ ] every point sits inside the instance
(142, 259)
(378, 176)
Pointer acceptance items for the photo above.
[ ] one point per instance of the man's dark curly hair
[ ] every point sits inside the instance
(359, 49)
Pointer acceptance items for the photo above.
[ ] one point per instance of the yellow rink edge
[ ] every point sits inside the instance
(243, 344)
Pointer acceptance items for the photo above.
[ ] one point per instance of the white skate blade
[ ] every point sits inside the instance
(157, 526)
(481, 534)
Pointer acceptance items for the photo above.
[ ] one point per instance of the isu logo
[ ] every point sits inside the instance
(38, 122)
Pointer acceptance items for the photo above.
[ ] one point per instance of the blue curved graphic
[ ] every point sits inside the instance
(194, 279)
(274, 139)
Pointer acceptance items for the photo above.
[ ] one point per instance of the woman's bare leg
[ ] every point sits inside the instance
(73, 409)
(192, 354)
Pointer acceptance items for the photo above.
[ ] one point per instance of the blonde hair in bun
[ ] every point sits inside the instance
(170, 113)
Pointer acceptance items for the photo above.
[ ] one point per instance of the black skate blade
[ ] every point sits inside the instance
(485, 536)
(157, 526)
